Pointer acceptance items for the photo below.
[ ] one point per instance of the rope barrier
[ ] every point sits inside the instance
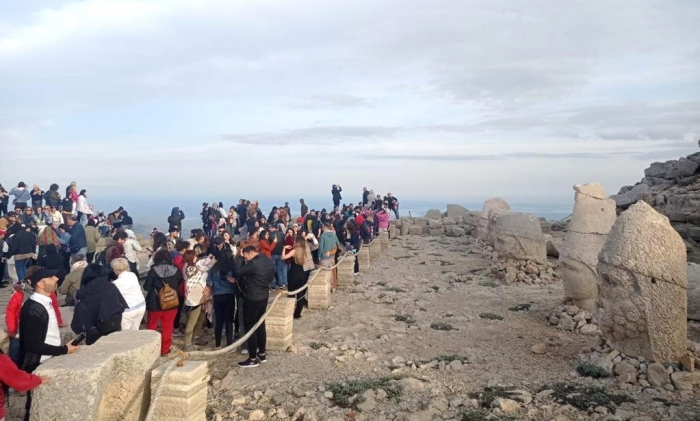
(179, 357)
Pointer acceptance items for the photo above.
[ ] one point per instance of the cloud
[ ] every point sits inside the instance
(524, 155)
(334, 101)
(324, 135)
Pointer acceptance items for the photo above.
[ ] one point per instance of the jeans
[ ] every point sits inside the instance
(21, 268)
(166, 326)
(14, 351)
(83, 218)
(224, 305)
(239, 320)
(280, 271)
(252, 312)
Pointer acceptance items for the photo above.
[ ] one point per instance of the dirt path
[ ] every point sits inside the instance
(384, 326)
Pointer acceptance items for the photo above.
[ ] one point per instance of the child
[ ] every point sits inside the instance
(21, 291)
(11, 376)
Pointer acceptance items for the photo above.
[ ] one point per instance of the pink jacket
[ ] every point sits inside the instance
(383, 219)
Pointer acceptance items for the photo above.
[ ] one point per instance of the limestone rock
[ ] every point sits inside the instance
(454, 231)
(507, 406)
(519, 236)
(492, 208)
(109, 380)
(642, 276)
(553, 245)
(456, 211)
(593, 216)
(433, 214)
(631, 197)
(684, 380)
(471, 219)
(693, 291)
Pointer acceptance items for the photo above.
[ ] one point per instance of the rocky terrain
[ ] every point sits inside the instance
(673, 189)
(431, 333)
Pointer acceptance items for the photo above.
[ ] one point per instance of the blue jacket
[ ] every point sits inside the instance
(219, 284)
(78, 239)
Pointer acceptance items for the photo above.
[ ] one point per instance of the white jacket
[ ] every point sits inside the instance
(83, 205)
(131, 246)
(128, 284)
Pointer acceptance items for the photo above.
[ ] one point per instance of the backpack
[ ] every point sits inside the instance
(167, 298)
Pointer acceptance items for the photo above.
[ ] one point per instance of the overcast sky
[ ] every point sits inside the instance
(436, 99)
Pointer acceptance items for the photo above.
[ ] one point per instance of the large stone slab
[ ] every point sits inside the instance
(363, 258)
(346, 272)
(693, 291)
(490, 212)
(519, 236)
(433, 214)
(109, 380)
(456, 211)
(638, 192)
(642, 277)
(319, 292)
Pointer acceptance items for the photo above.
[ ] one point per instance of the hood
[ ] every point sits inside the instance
(131, 234)
(95, 288)
(51, 249)
(175, 211)
(124, 213)
(328, 234)
(165, 270)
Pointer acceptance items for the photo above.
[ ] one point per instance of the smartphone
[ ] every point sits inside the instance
(78, 339)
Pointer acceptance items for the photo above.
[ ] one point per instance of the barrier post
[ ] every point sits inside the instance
(363, 257)
(346, 270)
(384, 242)
(375, 250)
(279, 325)
(183, 391)
(319, 292)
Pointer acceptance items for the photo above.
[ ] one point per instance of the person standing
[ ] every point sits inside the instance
(277, 250)
(175, 219)
(78, 239)
(328, 246)
(21, 195)
(166, 277)
(53, 197)
(195, 273)
(39, 335)
(22, 246)
(393, 204)
(335, 191)
(365, 196)
(131, 249)
(92, 236)
(304, 208)
(301, 266)
(128, 285)
(67, 207)
(37, 195)
(257, 274)
(83, 208)
(223, 290)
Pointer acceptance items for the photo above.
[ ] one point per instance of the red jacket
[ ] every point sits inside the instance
(266, 247)
(12, 313)
(15, 378)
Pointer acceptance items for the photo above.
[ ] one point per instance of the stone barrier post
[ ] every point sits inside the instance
(384, 242)
(375, 250)
(279, 325)
(184, 392)
(346, 270)
(363, 257)
(392, 232)
(319, 292)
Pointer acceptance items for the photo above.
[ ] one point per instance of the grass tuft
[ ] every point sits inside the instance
(520, 307)
(490, 284)
(586, 369)
(490, 316)
(344, 392)
(442, 326)
(586, 398)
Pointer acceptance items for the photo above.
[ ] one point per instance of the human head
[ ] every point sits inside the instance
(44, 281)
(189, 257)
(264, 234)
(174, 232)
(226, 236)
(91, 223)
(76, 258)
(92, 272)
(72, 220)
(12, 216)
(159, 241)
(120, 237)
(249, 252)
(162, 257)
(327, 227)
(63, 227)
(83, 192)
(218, 242)
(21, 184)
(364, 189)
(182, 246)
(120, 266)
(54, 187)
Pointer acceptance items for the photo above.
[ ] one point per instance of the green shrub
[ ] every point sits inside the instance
(490, 316)
(586, 369)
(490, 284)
(586, 398)
(520, 307)
(344, 391)
(442, 326)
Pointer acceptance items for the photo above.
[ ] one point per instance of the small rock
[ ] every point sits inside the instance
(566, 322)
(328, 395)
(257, 415)
(367, 405)
(623, 367)
(539, 348)
(239, 401)
(381, 395)
(455, 365)
(630, 378)
(657, 375)
(688, 362)
(685, 380)
(507, 406)
(456, 403)
(601, 410)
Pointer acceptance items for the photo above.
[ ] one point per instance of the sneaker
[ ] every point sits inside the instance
(262, 358)
(244, 351)
(249, 363)
(178, 334)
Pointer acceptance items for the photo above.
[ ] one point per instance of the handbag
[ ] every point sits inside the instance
(110, 324)
(167, 297)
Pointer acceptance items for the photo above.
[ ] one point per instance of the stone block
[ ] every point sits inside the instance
(108, 380)
(319, 292)
(415, 230)
(437, 232)
(375, 250)
(433, 214)
(346, 270)
(363, 258)
(519, 236)
(392, 232)
(456, 211)
(384, 243)
(279, 324)
(493, 206)
(183, 392)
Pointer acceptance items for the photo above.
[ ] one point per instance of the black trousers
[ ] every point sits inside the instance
(90, 256)
(252, 312)
(224, 306)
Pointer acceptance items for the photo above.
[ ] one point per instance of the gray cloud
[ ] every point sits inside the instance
(494, 157)
(314, 135)
(334, 102)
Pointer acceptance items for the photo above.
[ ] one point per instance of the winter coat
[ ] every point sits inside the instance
(97, 300)
(157, 277)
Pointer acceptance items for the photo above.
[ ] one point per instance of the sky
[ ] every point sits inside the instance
(449, 100)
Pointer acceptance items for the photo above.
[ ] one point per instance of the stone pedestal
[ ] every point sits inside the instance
(109, 380)
(279, 325)
(375, 250)
(392, 232)
(384, 242)
(183, 394)
(319, 293)
(363, 257)
(346, 269)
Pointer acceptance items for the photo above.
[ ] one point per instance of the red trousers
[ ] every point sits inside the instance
(166, 319)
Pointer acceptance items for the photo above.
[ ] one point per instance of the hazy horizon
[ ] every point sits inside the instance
(444, 100)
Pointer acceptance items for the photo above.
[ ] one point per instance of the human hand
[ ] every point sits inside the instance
(45, 379)
(71, 348)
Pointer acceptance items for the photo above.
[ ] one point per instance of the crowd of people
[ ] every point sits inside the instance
(219, 279)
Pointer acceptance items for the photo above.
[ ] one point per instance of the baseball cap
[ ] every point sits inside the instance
(40, 274)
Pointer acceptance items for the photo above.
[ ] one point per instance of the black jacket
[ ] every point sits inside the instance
(97, 300)
(23, 242)
(54, 261)
(336, 194)
(157, 277)
(33, 327)
(52, 198)
(256, 276)
(365, 197)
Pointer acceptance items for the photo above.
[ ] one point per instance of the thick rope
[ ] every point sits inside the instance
(208, 354)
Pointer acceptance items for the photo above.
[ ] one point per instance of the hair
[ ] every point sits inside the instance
(91, 223)
(82, 192)
(249, 249)
(21, 184)
(218, 241)
(63, 227)
(300, 250)
(31, 270)
(230, 237)
(263, 234)
(162, 256)
(181, 245)
(120, 265)
(198, 249)
(173, 229)
(92, 272)
(53, 187)
(75, 259)
(159, 241)
(120, 235)
(188, 257)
